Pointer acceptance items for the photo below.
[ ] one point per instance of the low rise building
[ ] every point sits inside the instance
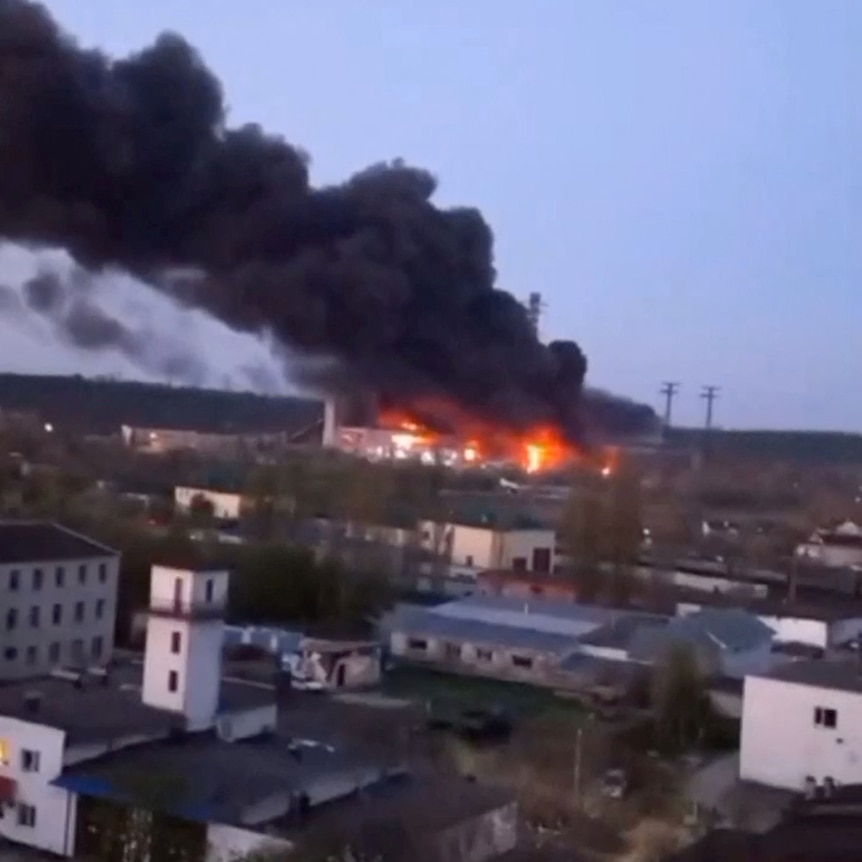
(834, 547)
(518, 545)
(60, 594)
(802, 725)
(226, 505)
(173, 754)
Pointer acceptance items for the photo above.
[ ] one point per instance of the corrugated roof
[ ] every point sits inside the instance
(731, 628)
(541, 615)
(429, 624)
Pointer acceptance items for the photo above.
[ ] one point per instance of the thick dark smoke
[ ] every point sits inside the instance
(130, 163)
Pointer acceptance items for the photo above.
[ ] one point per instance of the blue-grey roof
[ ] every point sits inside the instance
(621, 629)
(717, 628)
(540, 615)
(425, 623)
(731, 628)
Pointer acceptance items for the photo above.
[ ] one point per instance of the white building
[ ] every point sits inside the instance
(838, 547)
(226, 505)
(802, 724)
(176, 755)
(509, 548)
(59, 593)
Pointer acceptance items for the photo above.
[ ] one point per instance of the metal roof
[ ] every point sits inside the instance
(426, 623)
(730, 628)
(539, 615)
(843, 675)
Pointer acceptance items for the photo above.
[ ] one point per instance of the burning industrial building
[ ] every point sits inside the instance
(130, 164)
(443, 434)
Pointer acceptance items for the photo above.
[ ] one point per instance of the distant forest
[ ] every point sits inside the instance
(101, 406)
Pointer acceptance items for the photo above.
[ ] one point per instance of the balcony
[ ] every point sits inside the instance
(180, 610)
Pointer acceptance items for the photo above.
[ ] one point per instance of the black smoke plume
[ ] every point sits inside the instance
(130, 163)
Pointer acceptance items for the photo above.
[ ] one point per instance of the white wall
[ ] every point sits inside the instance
(192, 589)
(247, 723)
(226, 505)
(781, 744)
(229, 844)
(522, 543)
(55, 808)
(473, 546)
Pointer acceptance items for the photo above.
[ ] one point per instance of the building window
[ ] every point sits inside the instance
(11, 619)
(54, 652)
(103, 573)
(31, 655)
(4, 753)
(59, 576)
(57, 615)
(10, 653)
(100, 608)
(37, 579)
(176, 640)
(97, 647)
(77, 650)
(468, 560)
(519, 564)
(173, 681)
(210, 589)
(79, 612)
(452, 651)
(29, 760)
(14, 580)
(824, 717)
(82, 574)
(522, 661)
(34, 617)
(541, 559)
(26, 815)
(418, 644)
(484, 654)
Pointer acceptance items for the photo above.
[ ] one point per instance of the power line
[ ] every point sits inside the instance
(670, 391)
(710, 395)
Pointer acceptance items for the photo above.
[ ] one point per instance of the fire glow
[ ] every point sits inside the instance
(535, 451)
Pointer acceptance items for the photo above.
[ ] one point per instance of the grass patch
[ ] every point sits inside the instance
(423, 684)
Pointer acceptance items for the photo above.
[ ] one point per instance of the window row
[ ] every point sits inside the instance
(37, 576)
(35, 615)
(455, 652)
(77, 651)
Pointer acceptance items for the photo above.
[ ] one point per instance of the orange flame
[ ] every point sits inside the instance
(537, 450)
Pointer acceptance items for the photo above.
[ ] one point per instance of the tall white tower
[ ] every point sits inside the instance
(185, 635)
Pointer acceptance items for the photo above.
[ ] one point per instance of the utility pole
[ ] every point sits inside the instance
(669, 390)
(709, 394)
(577, 777)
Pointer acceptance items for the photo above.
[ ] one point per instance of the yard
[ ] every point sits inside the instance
(521, 700)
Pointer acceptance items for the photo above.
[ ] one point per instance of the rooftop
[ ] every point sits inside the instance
(401, 813)
(109, 707)
(43, 541)
(545, 615)
(204, 778)
(427, 623)
(620, 630)
(844, 675)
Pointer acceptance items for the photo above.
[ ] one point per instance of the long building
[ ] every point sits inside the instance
(60, 594)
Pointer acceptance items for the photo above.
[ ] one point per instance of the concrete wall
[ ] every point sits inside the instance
(477, 839)
(476, 659)
(55, 809)
(247, 723)
(781, 744)
(35, 643)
